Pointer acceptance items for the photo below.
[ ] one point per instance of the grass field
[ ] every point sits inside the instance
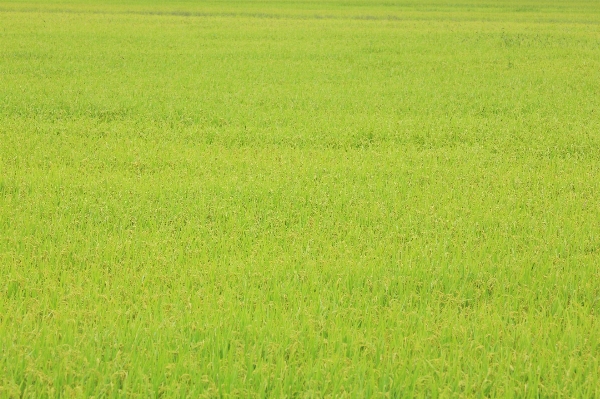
(300, 199)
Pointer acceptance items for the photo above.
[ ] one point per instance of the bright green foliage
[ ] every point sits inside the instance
(277, 199)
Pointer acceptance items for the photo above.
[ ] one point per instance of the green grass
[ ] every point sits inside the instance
(277, 199)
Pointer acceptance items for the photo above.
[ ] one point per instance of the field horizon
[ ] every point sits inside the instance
(299, 199)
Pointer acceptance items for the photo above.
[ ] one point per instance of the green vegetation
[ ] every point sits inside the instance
(276, 199)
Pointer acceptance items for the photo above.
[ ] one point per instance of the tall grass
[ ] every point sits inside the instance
(308, 199)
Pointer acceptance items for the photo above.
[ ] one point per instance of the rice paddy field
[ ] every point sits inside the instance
(344, 198)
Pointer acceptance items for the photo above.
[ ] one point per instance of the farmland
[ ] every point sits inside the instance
(300, 199)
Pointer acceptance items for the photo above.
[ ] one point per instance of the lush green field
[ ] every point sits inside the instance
(278, 199)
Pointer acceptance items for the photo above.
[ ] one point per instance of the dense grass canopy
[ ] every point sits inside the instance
(300, 199)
